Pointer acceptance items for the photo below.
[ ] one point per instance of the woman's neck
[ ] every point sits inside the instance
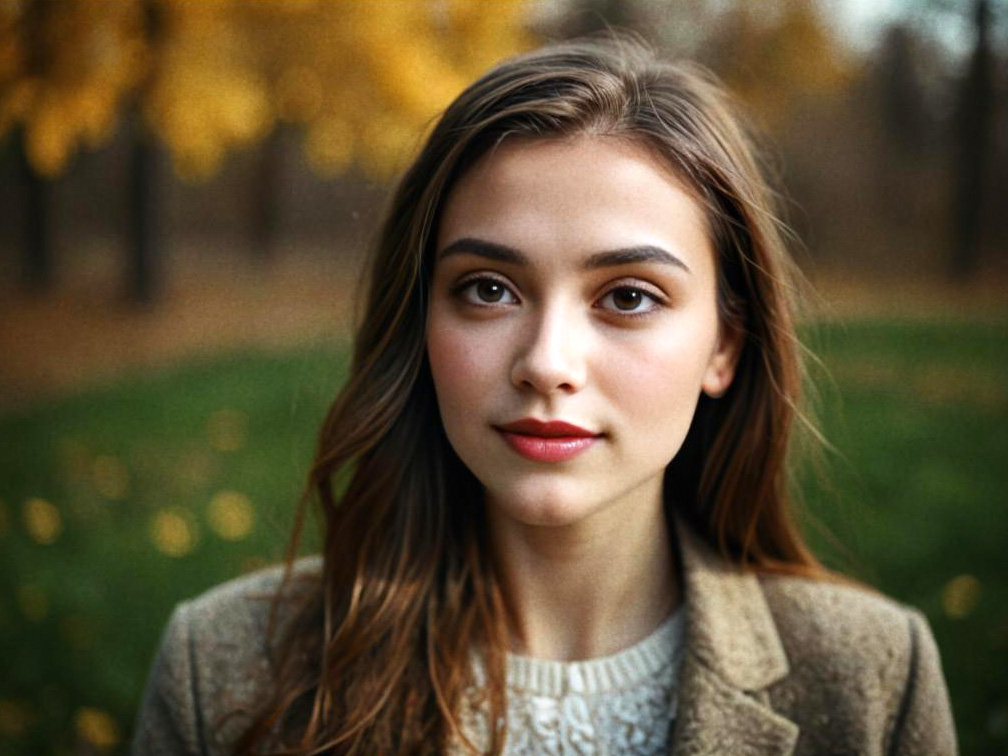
(586, 589)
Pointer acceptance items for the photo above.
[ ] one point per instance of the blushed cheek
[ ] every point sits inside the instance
(455, 361)
(659, 387)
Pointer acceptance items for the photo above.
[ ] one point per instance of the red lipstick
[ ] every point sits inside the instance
(546, 442)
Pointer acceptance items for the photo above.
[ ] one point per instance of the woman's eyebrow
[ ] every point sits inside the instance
(638, 254)
(610, 258)
(481, 248)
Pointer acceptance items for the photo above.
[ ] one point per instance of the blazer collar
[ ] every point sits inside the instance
(733, 652)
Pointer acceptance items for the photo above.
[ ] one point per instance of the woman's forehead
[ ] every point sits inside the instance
(575, 196)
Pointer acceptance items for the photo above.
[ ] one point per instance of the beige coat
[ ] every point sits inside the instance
(773, 666)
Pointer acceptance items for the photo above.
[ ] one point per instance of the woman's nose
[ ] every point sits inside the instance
(551, 358)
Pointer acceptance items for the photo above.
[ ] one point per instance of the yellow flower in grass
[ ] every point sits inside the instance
(42, 521)
(960, 596)
(97, 727)
(173, 531)
(231, 515)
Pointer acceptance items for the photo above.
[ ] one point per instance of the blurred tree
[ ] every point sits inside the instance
(977, 97)
(903, 100)
(362, 80)
(64, 67)
(909, 184)
(973, 146)
(772, 55)
(143, 278)
(265, 204)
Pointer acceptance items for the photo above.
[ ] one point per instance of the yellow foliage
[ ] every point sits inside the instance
(363, 78)
(64, 73)
(776, 53)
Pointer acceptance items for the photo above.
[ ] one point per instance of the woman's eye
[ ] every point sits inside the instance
(486, 291)
(630, 300)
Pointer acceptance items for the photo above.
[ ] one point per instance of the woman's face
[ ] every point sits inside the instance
(574, 283)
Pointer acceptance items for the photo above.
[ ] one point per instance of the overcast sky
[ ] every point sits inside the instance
(863, 20)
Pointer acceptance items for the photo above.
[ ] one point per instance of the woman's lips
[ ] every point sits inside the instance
(546, 442)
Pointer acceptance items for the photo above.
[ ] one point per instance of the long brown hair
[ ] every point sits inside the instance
(378, 657)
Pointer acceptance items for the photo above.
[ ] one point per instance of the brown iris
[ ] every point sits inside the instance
(490, 291)
(627, 299)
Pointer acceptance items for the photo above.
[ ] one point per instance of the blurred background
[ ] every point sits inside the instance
(187, 192)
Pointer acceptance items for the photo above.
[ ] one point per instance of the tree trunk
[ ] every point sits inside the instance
(266, 196)
(38, 264)
(973, 150)
(143, 277)
(145, 241)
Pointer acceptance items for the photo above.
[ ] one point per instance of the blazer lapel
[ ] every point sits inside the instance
(733, 652)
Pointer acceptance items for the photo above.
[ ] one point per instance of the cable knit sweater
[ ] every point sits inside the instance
(772, 666)
(619, 705)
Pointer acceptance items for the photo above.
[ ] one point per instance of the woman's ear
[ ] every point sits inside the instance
(721, 367)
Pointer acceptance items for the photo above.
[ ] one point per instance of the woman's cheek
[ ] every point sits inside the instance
(457, 361)
(660, 384)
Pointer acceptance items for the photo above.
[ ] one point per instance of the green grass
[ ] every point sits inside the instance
(919, 416)
(918, 413)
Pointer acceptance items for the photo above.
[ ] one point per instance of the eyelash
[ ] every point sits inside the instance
(658, 302)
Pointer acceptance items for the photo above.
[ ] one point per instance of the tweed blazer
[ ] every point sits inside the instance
(773, 666)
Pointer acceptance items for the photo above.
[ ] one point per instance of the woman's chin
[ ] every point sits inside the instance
(544, 508)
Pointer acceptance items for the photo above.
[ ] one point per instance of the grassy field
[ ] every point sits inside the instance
(117, 503)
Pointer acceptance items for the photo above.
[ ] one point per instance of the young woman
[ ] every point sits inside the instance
(554, 484)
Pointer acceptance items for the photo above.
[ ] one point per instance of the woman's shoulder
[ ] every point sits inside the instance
(212, 667)
(837, 611)
(848, 646)
(240, 607)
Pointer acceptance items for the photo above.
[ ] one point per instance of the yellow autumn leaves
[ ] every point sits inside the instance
(362, 79)
(64, 70)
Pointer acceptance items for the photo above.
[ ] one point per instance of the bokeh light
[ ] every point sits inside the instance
(42, 521)
(960, 596)
(231, 515)
(97, 727)
(174, 531)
